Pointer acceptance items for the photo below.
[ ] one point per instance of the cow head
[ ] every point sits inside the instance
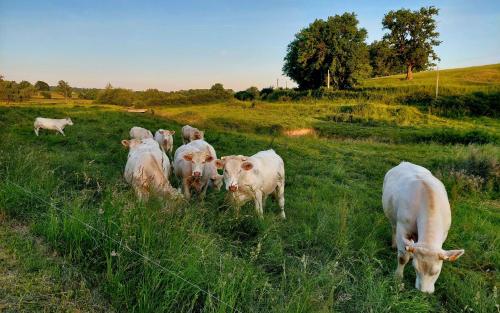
(198, 134)
(198, 160)
(69, 121)
(428, 262)
(168, 140)
(234, 166)
(131, 144)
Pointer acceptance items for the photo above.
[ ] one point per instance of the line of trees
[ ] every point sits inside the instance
(337, 46)
(11, 91)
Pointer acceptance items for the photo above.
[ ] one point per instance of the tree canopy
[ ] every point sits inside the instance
(337, 44)
(413, 36)
(42, 86)
(64, 88)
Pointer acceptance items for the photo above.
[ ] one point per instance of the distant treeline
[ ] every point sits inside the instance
(152, 97)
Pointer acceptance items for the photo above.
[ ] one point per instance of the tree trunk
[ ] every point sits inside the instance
(409, 73)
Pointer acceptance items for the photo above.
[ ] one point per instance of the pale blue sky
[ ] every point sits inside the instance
(193, 44)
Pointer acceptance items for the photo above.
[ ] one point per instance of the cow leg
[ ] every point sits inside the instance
(61, 131)
(393, 245)
(280, 196)
(36, 130)
(403, 255)
(186, 188)
(258, 203)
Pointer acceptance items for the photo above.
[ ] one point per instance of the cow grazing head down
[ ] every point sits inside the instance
(198, 160)
(69, 121)
(132, 143)
(198, 134)
(428, 262)
(234, 166)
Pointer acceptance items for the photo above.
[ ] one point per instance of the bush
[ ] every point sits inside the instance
(474, 104)
(46, 94)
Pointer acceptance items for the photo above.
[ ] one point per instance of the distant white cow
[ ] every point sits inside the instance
(255, 178)
(147, 169)
(165, 139)
(416, 204)
(140, 133)
(190, 133)
(52, 124)
(192, 163)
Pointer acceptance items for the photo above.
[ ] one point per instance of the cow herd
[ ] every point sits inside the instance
(414, 201)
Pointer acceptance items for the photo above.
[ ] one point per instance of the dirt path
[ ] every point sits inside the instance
(33, 279)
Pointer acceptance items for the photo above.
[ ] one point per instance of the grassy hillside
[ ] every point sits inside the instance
(331, 254)
(473, 78)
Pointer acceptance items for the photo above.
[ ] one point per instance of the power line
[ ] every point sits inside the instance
(145, 257)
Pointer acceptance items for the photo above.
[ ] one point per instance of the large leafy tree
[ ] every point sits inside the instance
(42, 86)
(383, 59)
(337, 44)
(413, 36)
(64, 88)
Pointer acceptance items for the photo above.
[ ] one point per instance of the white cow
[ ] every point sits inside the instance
(210, 171)
(192, 164)
(255, 178)
(190, 133)
(140, 133)
(416, 204)
(165, 139)
(147, 169)
(52, 124)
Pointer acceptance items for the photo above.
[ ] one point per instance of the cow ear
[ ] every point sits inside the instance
(125, 143)
(209, 158)
(188, 157)
(172, 132)
(219, 164)
(247, 166)
(451, 255)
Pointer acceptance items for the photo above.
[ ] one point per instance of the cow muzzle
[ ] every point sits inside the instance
(196, 174)
(233, 188)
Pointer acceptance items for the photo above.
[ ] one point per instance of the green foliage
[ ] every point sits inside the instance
(251, 93)
(87, 93)
(64, 89)
(154, 97)
(46, 94)
(412, 36)
(12, 91)
(383, 59)
(474, 104)
(117, 96)
(336, 44)
(42, 86)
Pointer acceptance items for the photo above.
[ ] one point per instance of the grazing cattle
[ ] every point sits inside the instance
(192, 164)
(147, 169)
(255, 178)
(140, 133)
(190, 133)
(52, 124)
(416, 204)
(165, 139)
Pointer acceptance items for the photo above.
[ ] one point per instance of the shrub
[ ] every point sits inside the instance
(46, 94)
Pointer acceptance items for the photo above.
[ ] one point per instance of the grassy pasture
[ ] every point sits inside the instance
(331, 254)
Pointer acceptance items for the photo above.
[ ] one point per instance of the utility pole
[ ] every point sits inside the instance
(277, 85)
(328, 80)
(437, 81)
(286, 84)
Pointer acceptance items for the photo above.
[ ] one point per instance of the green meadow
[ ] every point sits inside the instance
(331, 254)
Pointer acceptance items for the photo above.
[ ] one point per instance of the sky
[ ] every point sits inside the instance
(172, 45)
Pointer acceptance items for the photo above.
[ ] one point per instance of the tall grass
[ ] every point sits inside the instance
(331, 254)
